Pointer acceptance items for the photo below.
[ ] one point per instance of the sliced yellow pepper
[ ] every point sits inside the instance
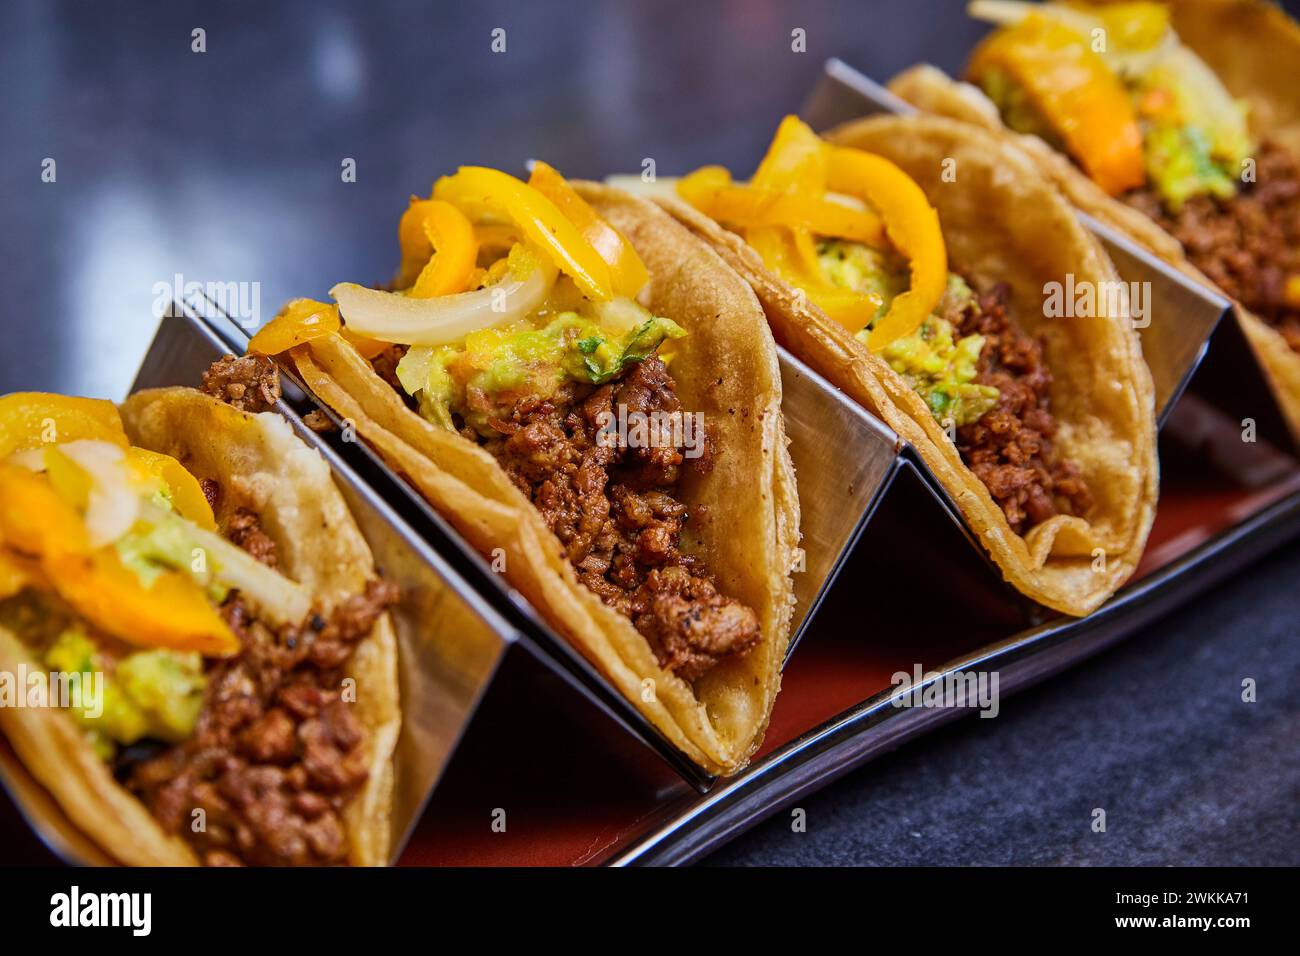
(174, 612)
(182, 487)
(913, 227)
(788, 254)
(1131, 26)
(477, 190)
(495, 240)
(439, 249)
(301, 320)
(710, 190)
(32, 419)
(627, 272)
(802, 169)
(1076, 93)
(795, 162)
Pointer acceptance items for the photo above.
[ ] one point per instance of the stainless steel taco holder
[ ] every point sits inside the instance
(867, 501)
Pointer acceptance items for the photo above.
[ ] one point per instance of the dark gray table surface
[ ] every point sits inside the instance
(225, 166)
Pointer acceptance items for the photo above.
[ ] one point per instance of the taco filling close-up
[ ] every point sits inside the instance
(924, 298)
(194, 565)
(527, 360)
(1150, 122)
(981, 377)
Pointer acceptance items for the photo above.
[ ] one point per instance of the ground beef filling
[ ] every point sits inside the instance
(251, 383)
(1010, 447)
(616, 512)
(1248, 245)
(277, 753)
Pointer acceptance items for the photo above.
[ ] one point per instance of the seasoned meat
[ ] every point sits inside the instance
(1010, 447)
(1248, 245)
(385, 365)
(211, 489)
(615, 510)
(318, 421)
(250, 383)
(277, 752)
(244, 529)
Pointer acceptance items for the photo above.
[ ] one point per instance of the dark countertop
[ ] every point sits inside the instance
(1154, 732)
(225, 166)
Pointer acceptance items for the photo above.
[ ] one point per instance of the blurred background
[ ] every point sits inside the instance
(225, 166)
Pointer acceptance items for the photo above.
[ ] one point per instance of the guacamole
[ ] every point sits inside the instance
(493, 368)
(1179, 165)
(937, 365)
(156, 694)
(148, 550)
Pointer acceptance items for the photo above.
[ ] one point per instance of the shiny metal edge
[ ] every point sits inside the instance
(838, 493)
(876, 726)
(1180, 313)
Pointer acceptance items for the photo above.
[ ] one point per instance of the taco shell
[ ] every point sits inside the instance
(745, 520)
(260, 464)
(1002, 222)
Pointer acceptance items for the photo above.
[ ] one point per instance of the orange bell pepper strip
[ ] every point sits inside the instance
(627, 272)
(1076, 93)
(711, 191)
(913, 227)
(301, 320)
(477, 190)
(366, 347)
(439, 250)
(182, 487)
(32, 419)
(34, 519)
(174, 612)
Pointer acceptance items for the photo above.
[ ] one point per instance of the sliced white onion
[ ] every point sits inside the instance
(442, 320)
(112, 505)
(1010, 12)
(638, 186)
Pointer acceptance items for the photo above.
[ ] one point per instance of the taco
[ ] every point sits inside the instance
(907, 260)
(184, 587)
(1178, 124)
(593, 400)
